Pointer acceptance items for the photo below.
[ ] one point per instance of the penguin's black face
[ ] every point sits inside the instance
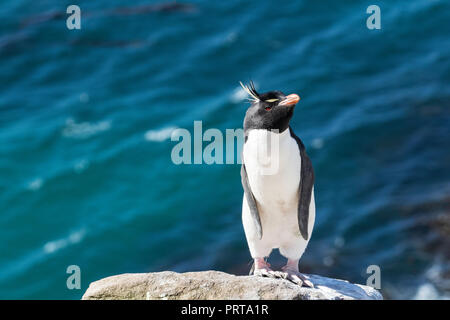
(269, 111)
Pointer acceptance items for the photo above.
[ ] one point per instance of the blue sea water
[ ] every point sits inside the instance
(86, 176)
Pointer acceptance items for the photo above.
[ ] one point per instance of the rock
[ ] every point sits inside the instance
(212, 285)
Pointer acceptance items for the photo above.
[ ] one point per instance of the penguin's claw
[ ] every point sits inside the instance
(276, 274)
(290, 275)
(263, 272)
(261, 268)
(267, 272)
(297, 278)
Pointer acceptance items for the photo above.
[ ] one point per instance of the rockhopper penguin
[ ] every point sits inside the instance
(278, 210)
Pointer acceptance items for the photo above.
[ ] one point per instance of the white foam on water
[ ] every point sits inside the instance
(231, 37)
(426, 292)
(56, 245)
(339, 242)
(84, 97)
(238, 95)
(159, 135)
(84, 129)
(18, 267)
(81, 165)
(328, 261)
(317, 143)
(35, 184)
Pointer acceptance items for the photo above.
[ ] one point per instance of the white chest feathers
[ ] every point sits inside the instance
(272, 161)
(273, 164)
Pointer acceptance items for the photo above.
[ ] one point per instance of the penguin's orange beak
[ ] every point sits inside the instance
(290, 100)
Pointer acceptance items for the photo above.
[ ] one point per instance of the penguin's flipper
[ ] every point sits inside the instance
(305, 187)
(251, 201)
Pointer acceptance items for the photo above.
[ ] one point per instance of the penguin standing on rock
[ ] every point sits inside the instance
(278, 210)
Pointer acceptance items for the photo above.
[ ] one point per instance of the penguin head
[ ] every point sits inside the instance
(270, 110)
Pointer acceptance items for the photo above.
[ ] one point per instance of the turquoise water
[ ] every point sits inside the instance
(86, 176)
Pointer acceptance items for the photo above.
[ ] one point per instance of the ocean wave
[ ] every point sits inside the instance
(159, 135)
(25, 263)
(81, 165)
(56, 245)
(84, 97)
(428, 291)
(35, 184)
(317, 143)
(84, 129)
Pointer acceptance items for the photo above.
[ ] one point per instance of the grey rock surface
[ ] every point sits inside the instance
(211, 285)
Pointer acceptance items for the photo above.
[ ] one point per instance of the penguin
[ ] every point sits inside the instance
(278, 209)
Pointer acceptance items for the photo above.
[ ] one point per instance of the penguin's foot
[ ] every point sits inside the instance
(262, 269)
(268, 273)
(296, 277)
(291, 273)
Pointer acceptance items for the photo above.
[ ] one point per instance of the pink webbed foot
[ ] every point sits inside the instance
(262, 268)
(291, 273)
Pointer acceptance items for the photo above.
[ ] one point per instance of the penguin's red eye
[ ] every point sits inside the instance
(268, 108)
